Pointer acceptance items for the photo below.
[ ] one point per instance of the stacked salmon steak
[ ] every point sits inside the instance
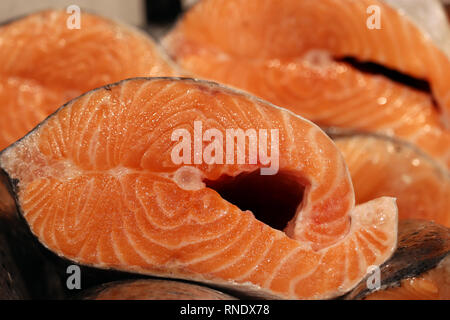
(277, 149)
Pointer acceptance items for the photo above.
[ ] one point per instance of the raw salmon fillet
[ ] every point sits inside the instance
(97, 184)
(295, 54)
(45, 64)
(382, 166)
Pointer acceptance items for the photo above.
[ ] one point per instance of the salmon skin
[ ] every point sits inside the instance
(432, 285)
(295, 53)
(12, 285)
(25, 269)
(152, 289)
(383, 166)
(70, 62)
(97, 184)
(419, 268)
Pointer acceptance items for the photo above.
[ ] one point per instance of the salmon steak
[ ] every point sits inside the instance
(382, 166)
(115, 179)
(376, 66)
(45, 64)
(151, 289)
(419, 268)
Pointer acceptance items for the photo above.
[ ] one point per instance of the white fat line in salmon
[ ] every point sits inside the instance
(235, 139)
